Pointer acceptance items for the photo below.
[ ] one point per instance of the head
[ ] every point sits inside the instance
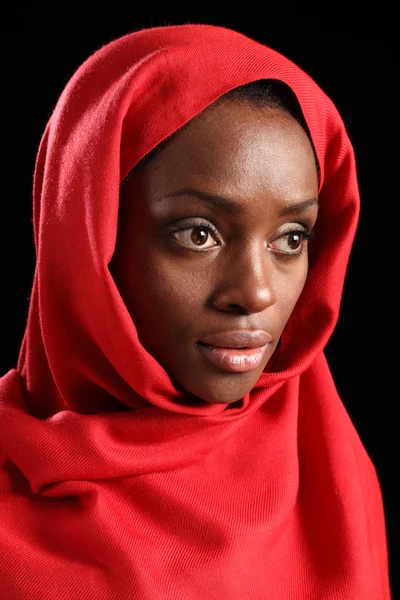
(213, 237)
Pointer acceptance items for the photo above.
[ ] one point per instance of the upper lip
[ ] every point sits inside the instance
(239, 338)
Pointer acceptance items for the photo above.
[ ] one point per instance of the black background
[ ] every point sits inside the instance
(352, 59)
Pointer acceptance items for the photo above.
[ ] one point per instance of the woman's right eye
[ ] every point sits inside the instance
(196, 237)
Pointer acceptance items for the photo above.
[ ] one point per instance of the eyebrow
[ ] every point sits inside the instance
(233, 207)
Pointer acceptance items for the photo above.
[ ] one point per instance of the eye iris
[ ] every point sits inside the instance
(199, 235)
(294, 240)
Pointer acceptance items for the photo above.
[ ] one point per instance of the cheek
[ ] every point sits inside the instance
(288, 288)
(162, 296)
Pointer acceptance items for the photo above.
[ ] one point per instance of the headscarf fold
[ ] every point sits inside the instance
(111, 486)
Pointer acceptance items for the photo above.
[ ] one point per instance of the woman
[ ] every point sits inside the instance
(172, 429)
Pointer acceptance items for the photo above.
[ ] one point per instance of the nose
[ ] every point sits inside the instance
(246, 283)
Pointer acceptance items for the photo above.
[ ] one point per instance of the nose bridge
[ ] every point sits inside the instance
(247, 280)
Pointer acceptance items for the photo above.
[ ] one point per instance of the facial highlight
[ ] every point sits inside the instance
(212, 245)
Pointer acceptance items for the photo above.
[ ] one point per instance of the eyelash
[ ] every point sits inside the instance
(307, 233)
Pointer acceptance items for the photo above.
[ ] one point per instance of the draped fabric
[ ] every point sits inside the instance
(112, 486)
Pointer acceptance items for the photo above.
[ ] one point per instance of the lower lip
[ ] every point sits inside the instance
(234, 359)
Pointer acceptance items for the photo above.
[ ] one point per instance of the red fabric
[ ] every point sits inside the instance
(110, 486)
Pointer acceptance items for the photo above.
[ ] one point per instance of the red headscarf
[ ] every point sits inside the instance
(110, 485)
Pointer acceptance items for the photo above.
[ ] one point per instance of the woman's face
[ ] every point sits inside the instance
(212, 239)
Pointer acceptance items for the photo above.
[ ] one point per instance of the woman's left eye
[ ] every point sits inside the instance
(291, 243)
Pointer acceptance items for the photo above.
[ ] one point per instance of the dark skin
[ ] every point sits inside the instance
(180, 286)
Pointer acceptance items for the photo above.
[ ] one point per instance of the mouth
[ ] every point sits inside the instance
(235, 360)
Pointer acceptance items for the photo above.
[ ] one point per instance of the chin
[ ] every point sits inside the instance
(214, 390)
(227, 401)
(225, 396)
(199, 398)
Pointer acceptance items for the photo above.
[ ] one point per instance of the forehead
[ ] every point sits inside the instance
(240, 147)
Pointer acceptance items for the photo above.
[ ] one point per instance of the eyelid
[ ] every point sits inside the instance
(292, 226)
(207, 222)
(193, 224)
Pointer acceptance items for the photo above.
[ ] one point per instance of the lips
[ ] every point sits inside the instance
(239, 338)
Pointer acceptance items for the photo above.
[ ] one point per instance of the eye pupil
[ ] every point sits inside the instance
(199, 235)
(294, 240)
